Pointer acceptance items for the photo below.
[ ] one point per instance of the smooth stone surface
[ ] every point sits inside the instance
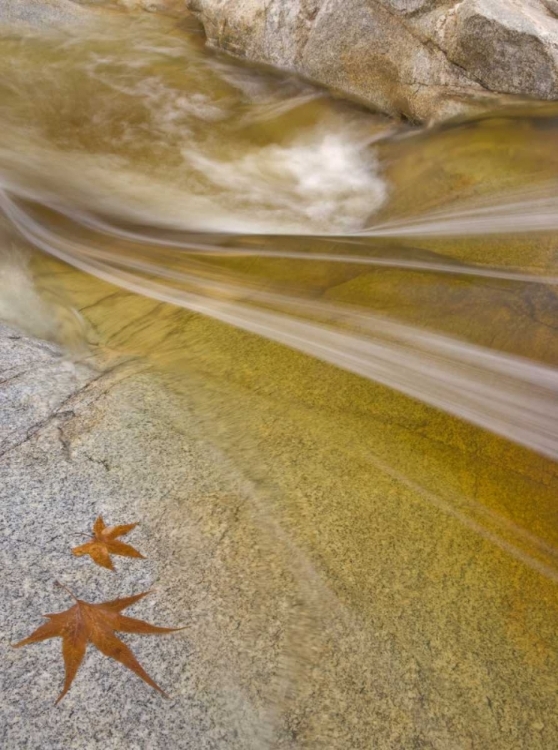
(507, 45)
(312, 620)
(41, 12)
(76, 443)
(261, 663)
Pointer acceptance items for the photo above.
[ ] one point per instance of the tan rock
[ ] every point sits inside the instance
(422, 59)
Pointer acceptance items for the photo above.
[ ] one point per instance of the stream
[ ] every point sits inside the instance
(363, 312)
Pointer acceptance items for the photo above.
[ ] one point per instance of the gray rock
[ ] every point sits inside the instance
(41, 12)
(423, 59)
(508, 46)
(408, 7)
(376, 57)
(268, 653)
(75, 442)
(284, 647)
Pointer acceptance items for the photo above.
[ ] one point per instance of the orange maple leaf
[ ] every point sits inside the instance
(105, 543)
(95, 623)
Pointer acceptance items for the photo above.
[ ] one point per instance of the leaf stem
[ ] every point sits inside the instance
(71, 593)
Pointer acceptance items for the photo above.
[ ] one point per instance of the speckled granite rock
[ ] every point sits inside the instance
(76, 442)
(40, 12)
(507, 45)
(380, 639)
(260, 664)
(56, 12)
(420, 58)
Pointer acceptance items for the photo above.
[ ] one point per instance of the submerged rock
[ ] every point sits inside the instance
(422, 59)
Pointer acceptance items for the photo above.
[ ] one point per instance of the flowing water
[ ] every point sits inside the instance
(363, 312)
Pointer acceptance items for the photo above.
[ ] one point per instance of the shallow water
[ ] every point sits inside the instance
(364, 315)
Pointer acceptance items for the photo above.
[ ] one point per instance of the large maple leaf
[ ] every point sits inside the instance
(105, 543)
(96, 623)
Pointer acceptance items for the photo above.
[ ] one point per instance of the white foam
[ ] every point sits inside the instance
(323, 181)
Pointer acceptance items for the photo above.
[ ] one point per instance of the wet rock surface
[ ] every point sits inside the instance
(332, 613)
(77, 442)
(276, 651)
(258, 664)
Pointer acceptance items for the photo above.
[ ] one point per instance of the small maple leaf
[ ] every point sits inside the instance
(95, 623)
(105, 543)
